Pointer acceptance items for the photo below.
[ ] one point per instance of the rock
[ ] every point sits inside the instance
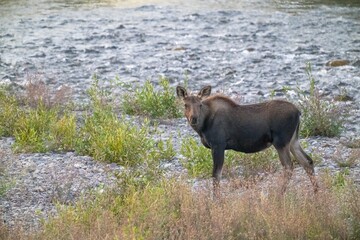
(337, 63)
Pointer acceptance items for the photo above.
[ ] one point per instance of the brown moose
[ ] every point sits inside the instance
(223, 124)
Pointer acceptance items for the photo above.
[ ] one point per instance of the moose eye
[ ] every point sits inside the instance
(186, 105)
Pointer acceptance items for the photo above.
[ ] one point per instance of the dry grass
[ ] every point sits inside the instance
(349, 161)
(38, 92)
(173, 210)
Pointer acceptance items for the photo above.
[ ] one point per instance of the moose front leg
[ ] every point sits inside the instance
(218, 161)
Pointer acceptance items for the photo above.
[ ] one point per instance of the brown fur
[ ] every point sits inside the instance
(223, 124)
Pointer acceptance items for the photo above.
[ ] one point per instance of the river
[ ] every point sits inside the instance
(247, 47)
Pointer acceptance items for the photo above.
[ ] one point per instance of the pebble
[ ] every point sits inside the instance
(39, 181)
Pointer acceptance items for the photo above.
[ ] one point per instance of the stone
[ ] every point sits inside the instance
(337, 63)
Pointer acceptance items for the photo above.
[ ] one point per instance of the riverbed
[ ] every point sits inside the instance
(246, 47)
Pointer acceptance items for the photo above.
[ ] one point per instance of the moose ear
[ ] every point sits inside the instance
(181, 92)
(205, 92)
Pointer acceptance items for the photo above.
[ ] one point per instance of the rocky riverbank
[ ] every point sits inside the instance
(40, 181)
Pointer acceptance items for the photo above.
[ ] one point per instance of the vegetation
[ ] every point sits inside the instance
(147, 205)
(41, 125)
(198, 160)
(149, 102)
(347, 162)
(106, 137)
(169, 209)
(9, 112)
(319, 117)
(42, 130)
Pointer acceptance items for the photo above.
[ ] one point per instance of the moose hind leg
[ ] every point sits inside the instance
(305, 161)
(285, 159)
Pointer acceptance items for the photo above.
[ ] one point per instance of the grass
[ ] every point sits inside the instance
(347, 162)
(147, 101)
(5, 184)
(39, 124)
(198, 160)
(9, 112)
(169, 209)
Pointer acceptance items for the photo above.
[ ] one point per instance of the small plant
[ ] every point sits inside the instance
(353, 143)
(319, 117)
(107, 138)
(32, 132)
(5, 184)
(256, 163)
(149, 102)
(166, 150)
(341, 179)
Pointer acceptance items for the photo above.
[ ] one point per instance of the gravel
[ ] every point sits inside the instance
(41, 180)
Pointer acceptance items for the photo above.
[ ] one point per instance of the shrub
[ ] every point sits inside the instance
(108, 138)
(38, 92)
(62, 133)
(349, 161)
(44, 129)
(319, 117)
(32, 132)
(149, 102)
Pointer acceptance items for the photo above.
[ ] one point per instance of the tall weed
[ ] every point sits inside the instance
(319, 117)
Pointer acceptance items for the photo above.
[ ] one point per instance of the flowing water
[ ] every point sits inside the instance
(248, 47)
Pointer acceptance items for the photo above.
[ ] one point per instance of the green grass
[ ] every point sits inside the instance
(148, 101)
(100, 132)
(198, 160)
